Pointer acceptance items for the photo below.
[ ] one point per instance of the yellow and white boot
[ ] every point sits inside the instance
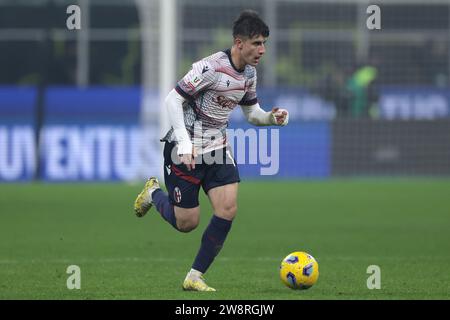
(143, 202)
(195, 282)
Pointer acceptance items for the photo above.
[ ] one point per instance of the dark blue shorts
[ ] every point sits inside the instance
(183, 185)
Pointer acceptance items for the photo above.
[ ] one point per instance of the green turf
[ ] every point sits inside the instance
(403, 226)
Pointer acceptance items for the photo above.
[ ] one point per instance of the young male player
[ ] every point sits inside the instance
(204, 99)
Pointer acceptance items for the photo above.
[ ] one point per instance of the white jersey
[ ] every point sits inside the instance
(212, 89)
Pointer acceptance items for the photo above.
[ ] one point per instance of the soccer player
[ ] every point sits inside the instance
(204, 98)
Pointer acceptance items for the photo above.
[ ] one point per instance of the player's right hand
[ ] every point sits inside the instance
(188, 159)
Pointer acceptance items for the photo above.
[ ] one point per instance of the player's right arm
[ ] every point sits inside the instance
(199, 78)
(174, 104)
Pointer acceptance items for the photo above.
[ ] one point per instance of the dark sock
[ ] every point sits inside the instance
(165, 208)
(212, 241)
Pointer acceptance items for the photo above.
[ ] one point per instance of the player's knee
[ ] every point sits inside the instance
(187, 225)
(188, 220)
(228, 211)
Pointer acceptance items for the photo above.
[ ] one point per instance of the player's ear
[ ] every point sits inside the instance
(238, 43)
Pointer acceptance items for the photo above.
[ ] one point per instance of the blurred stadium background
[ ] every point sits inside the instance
(85, 106)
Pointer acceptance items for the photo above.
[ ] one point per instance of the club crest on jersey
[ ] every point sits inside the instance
(177, 195)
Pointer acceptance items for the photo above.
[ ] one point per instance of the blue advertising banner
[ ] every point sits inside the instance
(414, 103)
(93, 134)
(302, 105)
(299, 150)
(17, 137)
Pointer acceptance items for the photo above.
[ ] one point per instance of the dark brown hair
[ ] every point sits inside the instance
(249, 25)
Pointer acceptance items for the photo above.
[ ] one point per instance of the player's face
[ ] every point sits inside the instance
(253, 49)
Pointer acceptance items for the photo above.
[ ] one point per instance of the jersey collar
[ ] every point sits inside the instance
(228, 52)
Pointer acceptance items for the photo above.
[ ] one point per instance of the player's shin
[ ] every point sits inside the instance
(212, 241)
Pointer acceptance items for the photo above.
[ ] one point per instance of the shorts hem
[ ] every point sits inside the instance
(183, 206)
(220, 184)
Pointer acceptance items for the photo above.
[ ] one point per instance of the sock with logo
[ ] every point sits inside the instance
(212, 241)
(161, 201)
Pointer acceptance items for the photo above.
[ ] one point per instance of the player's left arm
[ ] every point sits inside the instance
(258, 117)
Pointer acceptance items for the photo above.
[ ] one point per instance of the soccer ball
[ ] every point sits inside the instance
(299, 270)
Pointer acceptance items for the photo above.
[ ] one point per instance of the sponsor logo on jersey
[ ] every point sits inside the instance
(225, 103)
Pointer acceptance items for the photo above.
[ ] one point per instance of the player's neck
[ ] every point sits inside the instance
(238, 62)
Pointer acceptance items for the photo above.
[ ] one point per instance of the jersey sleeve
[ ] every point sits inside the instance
(199, 78)
(250, 98)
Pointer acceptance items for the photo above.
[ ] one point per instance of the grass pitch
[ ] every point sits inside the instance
(400, 225)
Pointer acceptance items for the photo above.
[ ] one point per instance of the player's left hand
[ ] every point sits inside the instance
(280, 117)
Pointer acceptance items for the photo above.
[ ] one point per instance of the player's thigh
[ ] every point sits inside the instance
(224, 200)
(182, 185)
(183, 195)
(221, 184)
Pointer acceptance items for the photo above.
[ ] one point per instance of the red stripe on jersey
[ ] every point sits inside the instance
(229, 73)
